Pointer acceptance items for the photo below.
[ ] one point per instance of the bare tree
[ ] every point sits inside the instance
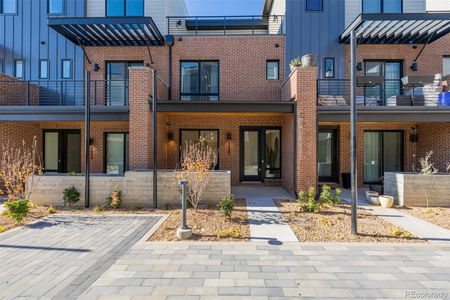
(427, 167)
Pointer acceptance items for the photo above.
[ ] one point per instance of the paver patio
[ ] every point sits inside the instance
(62, 255)
(213, 270)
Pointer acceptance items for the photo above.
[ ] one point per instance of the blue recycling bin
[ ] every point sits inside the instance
(444, 99)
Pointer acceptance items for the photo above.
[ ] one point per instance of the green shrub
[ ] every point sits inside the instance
(234, 232)
(115, 199)
(70, 196)
(98, 209)
(167, 206)
(17, 210)
(326, 196)
(226, 206)
(307, 200)
(2, 229)
(51, 210)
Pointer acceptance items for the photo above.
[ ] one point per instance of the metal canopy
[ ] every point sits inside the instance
(108, 31)
(409, 28)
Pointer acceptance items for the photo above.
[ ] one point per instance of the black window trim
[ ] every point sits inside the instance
(9, 14)
(124, 9)
(23, 68)
(56, 14)
(105, 149)
(325, 70)
(313, 11)
(382, 6)
(40, 68)
(62, 68)
(180, 131)
(267, 68)
(199, 62)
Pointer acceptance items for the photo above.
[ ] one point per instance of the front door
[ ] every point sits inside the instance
(260, 153)
(62, 151)
(327, 155)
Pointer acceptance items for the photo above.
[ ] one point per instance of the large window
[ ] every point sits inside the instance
(200, 80)
(208, 137)
(273, 70)
(446, 66)
(120, 8)
(55, 7)
(116, 154)
(314, 5)
(19, 69)
(383, 152)
(382, 6)
(8, 7)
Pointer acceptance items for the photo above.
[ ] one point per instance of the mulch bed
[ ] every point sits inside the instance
(333, 224)
(439, 216)
(205, 223)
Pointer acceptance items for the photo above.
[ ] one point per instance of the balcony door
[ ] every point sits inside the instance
(392, 73)
(62, 151)
(117, 81)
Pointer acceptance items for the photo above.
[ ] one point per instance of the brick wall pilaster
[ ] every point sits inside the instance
(140, 84)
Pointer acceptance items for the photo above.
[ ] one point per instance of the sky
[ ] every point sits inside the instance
(224, 7)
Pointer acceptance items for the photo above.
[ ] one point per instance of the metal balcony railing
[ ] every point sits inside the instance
(63, 92)
(391, 92)
(226, 25)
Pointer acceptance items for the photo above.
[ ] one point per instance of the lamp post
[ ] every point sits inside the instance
(353, 131)
(183, 232)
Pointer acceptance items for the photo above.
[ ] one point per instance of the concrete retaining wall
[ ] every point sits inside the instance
(413, 189)
(136, 187)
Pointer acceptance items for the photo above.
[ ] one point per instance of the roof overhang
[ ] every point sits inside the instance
(108, 31)
(409, 28)
(226, 107)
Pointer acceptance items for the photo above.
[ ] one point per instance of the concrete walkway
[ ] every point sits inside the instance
(265, 219)
(62, 255)
(416, 226)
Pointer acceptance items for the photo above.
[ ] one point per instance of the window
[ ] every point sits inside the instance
(328, 67)
(208, 137)
(66, 69)
(19, 69)
(200, 80)
(382, 6)
(43, 69)
(314, 5)
(1, 65)
(116, 154)
(446, 66)
(55, 7)
(8, 7)
(119, 8)
(273, 70)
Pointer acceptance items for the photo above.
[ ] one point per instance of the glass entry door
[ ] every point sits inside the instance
(392, 73)
(260, 153)
(327, 155)
(62, 151)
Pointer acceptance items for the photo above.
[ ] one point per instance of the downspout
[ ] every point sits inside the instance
(154, 146)
(170, 39)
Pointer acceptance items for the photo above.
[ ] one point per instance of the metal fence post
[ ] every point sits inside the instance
(183, 232)
(353, 133)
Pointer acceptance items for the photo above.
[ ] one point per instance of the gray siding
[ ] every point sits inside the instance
(26, 36)
(316, 32)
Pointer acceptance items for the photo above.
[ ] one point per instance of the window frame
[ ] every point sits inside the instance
(267, 68)
(125, 9)
(105, 149)
(58, 13)
(325, 70)
(1, 65)
(23, 68)
(40, 68)
(16, 12)
(199, 62)
(62, 68)
(444, 57)
(382, 6)
(314, 11)
(180, 135)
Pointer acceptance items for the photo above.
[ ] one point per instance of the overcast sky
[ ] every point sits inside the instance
(224, 7)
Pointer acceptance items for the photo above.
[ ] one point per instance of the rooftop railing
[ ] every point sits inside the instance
(63, 92)
(226, 25)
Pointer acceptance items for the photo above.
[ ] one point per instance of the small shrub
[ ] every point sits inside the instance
(51, 210)
(114, 200)
(324, 222)
(398, 232)
(326, 196)
(167, 206)
(2, 229)
(296, 62)
(234, 232)
(307, 200)
(71, 173)
(70, 196)
(427, 167)
(98, 209)
(17, 210)
(226, 206)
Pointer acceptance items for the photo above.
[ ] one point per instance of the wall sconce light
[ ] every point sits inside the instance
(414, 66)
(170, 136)
(96, 67)
(91, 148)
(359, 66)
(229, 141)
(277, 45)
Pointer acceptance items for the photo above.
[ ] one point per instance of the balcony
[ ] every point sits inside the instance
(226, 25)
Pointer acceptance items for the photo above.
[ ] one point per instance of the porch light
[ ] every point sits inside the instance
(170, 136)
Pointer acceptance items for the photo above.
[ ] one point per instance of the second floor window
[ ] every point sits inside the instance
(446, 66)
(314, 5)
(43, 69)
(120, 8)
(381, 6)
(55, 7)
(19, 69)
(200, 80)
(273, 70)
(329, 67)
(8, 7)
(66, 69)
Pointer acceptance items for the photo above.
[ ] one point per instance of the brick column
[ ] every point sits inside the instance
(140, 84)
(306, 97)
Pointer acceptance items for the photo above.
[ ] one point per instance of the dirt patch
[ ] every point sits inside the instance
(35, 214)
(206, 224)
(333, 224)
(439, 216)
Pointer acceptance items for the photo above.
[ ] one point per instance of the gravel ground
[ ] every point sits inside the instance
(205, 224)
(333, 224)
(439, 216)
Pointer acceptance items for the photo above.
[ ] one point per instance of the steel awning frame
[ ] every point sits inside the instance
(406, 28)
(108, 31)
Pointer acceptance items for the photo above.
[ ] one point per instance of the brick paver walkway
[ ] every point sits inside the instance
(256, 270)
(61, 256)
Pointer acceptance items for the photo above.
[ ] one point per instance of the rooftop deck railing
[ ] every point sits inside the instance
(63, 92)
(391, 92)
(226, 25)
